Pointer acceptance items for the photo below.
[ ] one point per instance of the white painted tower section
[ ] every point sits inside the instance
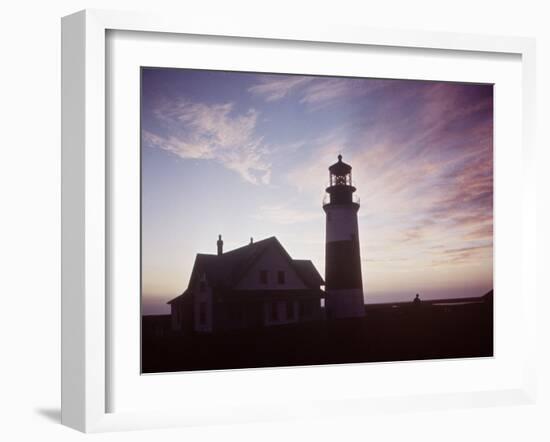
(342, 223)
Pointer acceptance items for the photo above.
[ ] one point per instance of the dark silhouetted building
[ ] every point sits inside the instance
(256, 285)
(344, 283)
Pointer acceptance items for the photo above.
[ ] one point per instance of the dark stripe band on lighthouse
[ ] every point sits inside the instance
(343, 279)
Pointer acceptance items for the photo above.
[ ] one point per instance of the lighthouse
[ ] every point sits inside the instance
(343, 280)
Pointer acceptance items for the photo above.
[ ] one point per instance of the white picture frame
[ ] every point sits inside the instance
(86, 200)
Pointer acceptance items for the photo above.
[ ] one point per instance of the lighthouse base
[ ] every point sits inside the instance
(344, 303)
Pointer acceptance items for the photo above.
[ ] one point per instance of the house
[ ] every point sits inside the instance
(258, 285)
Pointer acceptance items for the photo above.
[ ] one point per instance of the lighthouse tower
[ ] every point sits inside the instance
(343, 281)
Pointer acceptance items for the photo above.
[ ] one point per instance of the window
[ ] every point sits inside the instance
(281, 277)
(289, 310)
(202, 313)
(202, 286)
(274, 312)
(263, 276)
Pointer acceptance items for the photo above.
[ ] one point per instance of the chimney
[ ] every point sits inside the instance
(251, 240)
(219, 243)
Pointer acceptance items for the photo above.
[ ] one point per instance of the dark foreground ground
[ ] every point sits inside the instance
(387, 333)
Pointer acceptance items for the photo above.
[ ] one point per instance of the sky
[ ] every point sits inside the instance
(247, 155)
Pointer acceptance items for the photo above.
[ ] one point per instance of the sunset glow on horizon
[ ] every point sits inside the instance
(247, 155)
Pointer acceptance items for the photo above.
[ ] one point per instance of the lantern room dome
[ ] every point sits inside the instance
(340, 168)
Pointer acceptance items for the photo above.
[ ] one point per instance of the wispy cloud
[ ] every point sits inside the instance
(314, 92)
(286, 215)
(214, 132)
(310, 175)
(273, 88)
(464, 255)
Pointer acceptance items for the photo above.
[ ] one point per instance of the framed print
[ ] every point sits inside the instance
(247, 152)
(205, 277)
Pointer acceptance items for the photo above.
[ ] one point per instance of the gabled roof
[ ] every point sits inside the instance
(226, 270)
(177, 298)
(308, 271)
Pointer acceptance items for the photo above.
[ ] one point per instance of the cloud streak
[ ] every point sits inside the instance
(286, 214)
(313, 92)
(274, 87)
(212, 132)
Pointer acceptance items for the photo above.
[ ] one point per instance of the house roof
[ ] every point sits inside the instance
(226, 270)
(177, 297)
(308, 271)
